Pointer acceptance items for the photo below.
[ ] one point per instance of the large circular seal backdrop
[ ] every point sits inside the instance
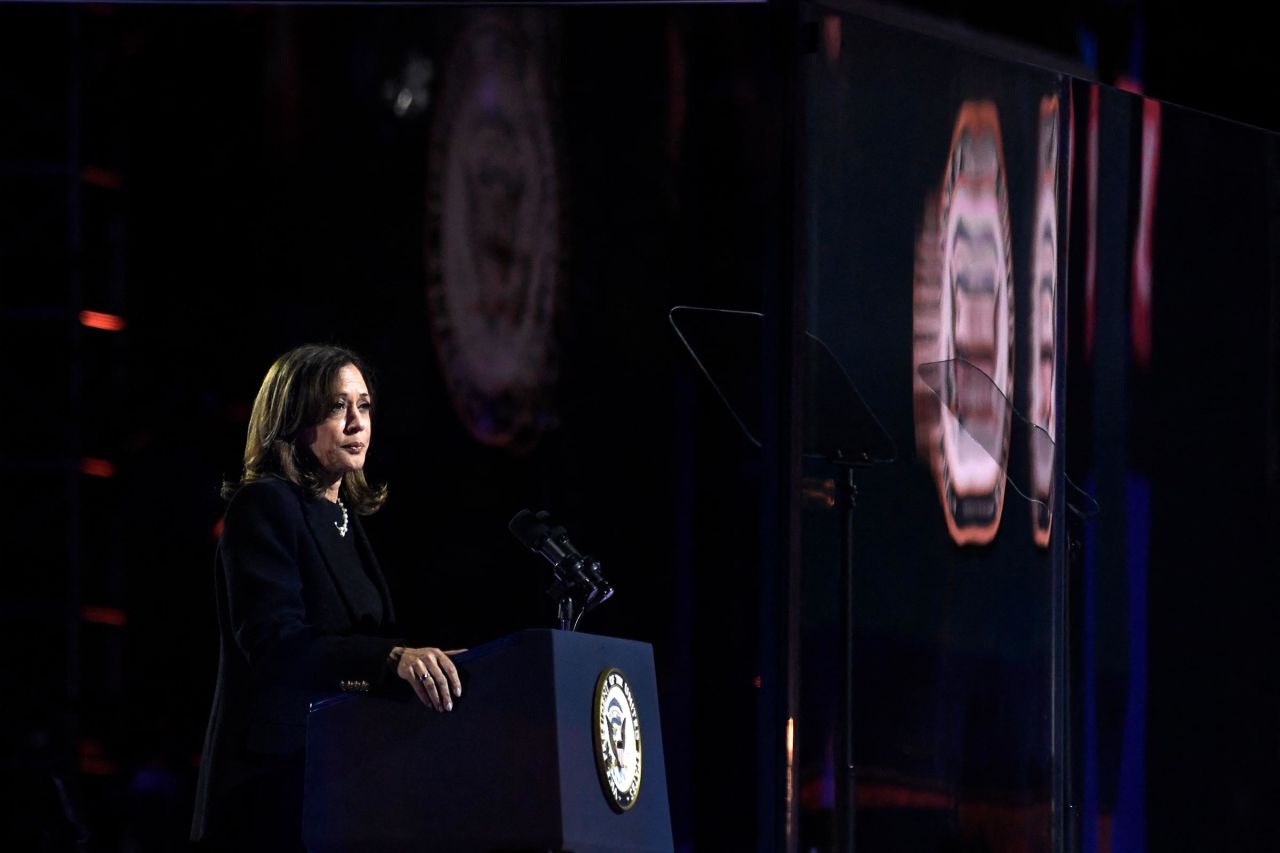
(494, 271)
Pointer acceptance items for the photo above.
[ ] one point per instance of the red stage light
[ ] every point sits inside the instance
(97, 467)
(98, 320)
(99, 615)
(93, 760)
(104, 178)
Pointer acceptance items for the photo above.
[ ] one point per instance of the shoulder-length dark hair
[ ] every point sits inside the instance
(298, 393)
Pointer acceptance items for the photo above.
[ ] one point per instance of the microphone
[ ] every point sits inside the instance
(534, 532)
(578, 573)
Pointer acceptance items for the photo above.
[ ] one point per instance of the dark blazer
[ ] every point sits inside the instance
(290, 634)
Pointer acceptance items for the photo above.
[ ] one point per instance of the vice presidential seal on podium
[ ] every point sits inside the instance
(619, 754)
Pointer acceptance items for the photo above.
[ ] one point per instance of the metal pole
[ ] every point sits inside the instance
(846, 795)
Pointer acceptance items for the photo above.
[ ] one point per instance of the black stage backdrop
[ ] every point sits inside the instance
(249, 185)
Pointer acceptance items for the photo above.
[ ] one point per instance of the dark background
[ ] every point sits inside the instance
(235, 184)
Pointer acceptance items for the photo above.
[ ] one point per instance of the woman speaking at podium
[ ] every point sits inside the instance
(303, 608)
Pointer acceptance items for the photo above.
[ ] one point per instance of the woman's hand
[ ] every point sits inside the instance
(433, 676)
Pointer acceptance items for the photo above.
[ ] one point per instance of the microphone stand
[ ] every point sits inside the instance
(564, 605)
(578, 588)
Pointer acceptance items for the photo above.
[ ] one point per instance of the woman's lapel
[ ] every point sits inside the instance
(325, 533)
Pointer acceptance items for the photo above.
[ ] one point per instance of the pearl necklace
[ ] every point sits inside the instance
(342, 528)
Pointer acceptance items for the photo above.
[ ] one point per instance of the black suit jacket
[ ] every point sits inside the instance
(288, 637)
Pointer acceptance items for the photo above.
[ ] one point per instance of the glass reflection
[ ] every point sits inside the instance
(963, 308)
(1044, 288)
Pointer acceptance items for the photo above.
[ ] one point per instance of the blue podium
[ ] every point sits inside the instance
(556, 744)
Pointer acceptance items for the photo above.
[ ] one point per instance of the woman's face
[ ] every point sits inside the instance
(340, 441)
